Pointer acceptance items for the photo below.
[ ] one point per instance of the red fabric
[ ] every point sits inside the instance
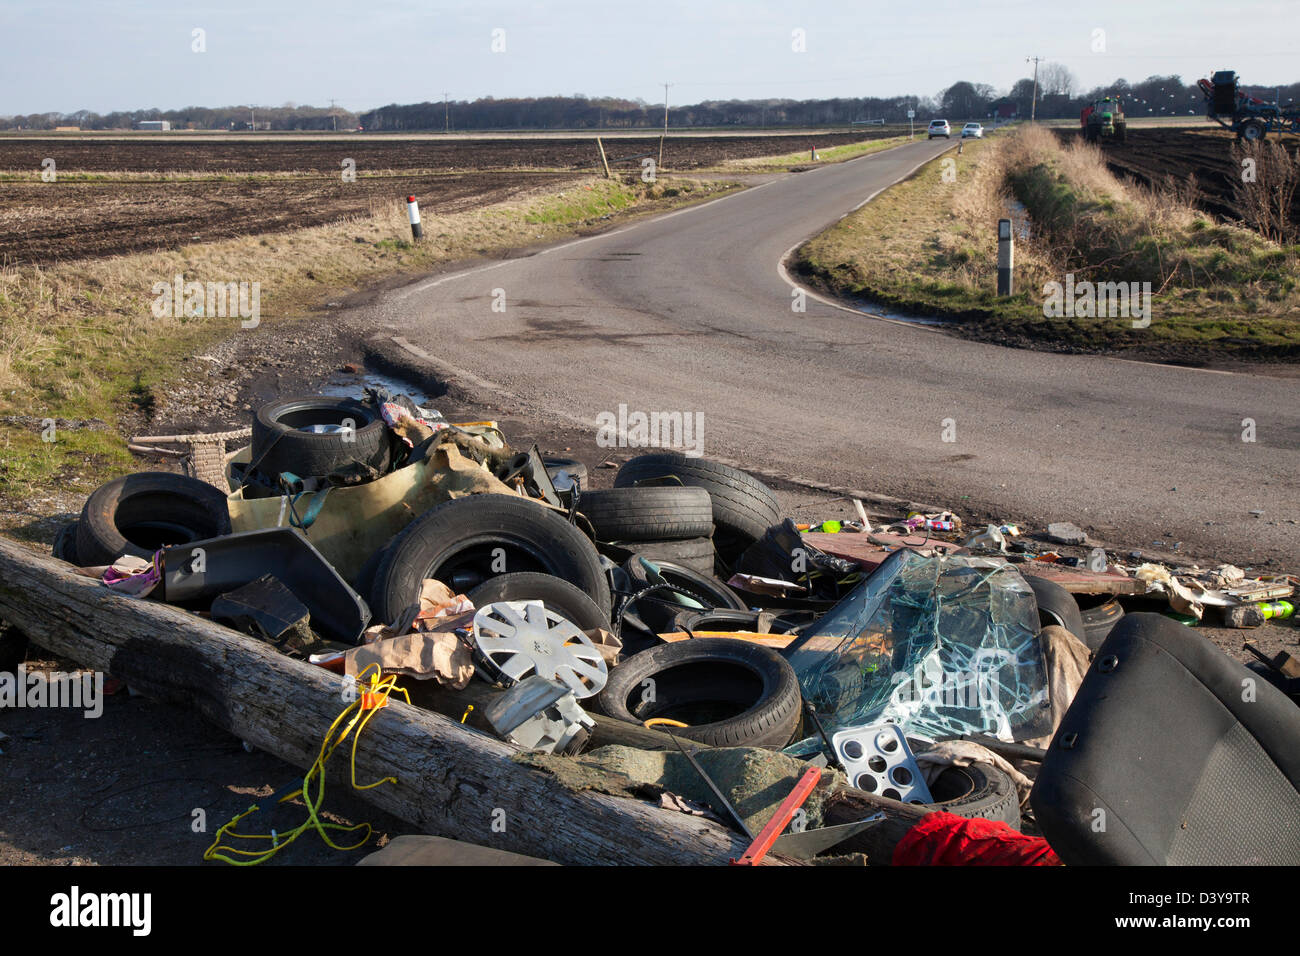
(945, 839)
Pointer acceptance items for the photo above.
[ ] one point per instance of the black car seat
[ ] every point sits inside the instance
(1172, 753)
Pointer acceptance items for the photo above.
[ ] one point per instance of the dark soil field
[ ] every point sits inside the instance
(45, 222)
(220, 190)
(1151, 154)
(378, 153)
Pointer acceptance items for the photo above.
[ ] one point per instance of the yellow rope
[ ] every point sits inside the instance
(372, 698)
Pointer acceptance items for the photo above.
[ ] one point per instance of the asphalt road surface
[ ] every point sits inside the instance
(691, 312)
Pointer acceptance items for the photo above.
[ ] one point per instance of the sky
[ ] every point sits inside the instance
(65, 55)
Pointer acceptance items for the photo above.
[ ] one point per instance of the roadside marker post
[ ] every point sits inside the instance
(413, 209)
(1006, 256)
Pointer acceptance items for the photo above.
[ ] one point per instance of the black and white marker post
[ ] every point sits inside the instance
(1006, 247)
(413, 208)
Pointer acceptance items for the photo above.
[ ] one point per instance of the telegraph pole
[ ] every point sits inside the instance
(333, 115)
(1033, 102)
(446, 114)
(665, 133)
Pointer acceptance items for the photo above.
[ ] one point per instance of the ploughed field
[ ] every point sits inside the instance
(1152, 153)
(45, 222)
(381, 153)
(103, 201)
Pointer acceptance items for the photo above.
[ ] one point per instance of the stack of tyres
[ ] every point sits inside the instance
(742, 508)
(663, 523)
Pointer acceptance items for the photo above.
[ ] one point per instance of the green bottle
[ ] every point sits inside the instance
(1277, 610)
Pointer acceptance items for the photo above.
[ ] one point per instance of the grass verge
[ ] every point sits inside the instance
(803, 160)
(928, 247)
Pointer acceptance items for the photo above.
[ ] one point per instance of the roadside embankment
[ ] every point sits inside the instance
(1100, 265)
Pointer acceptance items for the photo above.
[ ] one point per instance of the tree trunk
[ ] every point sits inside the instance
(452, 781)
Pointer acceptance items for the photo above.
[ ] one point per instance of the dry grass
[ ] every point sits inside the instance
(1266, 195)
(1088, 223)
(922, 244)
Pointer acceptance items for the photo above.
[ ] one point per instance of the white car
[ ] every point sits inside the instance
(972, 129)
(939, 128)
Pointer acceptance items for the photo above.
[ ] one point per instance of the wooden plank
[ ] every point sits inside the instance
(868, 550)
(878, 840)
(774, 641)
(1083, 581)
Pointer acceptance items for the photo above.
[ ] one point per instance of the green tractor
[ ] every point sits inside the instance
(1104, 119)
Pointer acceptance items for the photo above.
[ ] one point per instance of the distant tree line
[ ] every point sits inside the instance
(1058, 96)
(286, 117)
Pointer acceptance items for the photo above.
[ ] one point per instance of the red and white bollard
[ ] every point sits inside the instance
(413, 208)
(814, 154)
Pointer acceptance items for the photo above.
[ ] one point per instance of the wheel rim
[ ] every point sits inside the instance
(523, 637)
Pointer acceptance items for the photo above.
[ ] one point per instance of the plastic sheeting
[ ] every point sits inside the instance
(941, 646)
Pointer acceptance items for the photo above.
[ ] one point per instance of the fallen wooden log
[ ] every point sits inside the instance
(878, 840)
(451, 780)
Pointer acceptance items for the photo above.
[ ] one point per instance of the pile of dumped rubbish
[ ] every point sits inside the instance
(1023, 705)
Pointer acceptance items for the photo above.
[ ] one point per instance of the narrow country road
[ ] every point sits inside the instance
(689, 312)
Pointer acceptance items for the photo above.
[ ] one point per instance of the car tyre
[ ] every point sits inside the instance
(139, 514)
(557, 594)
(648, 513)
(754, 684)
(457, 543)
(743, 507)
(280, 445)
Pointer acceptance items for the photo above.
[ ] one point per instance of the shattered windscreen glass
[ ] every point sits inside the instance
(941, 646)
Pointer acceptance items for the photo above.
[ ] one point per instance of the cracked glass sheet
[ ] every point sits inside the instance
(941, 646)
